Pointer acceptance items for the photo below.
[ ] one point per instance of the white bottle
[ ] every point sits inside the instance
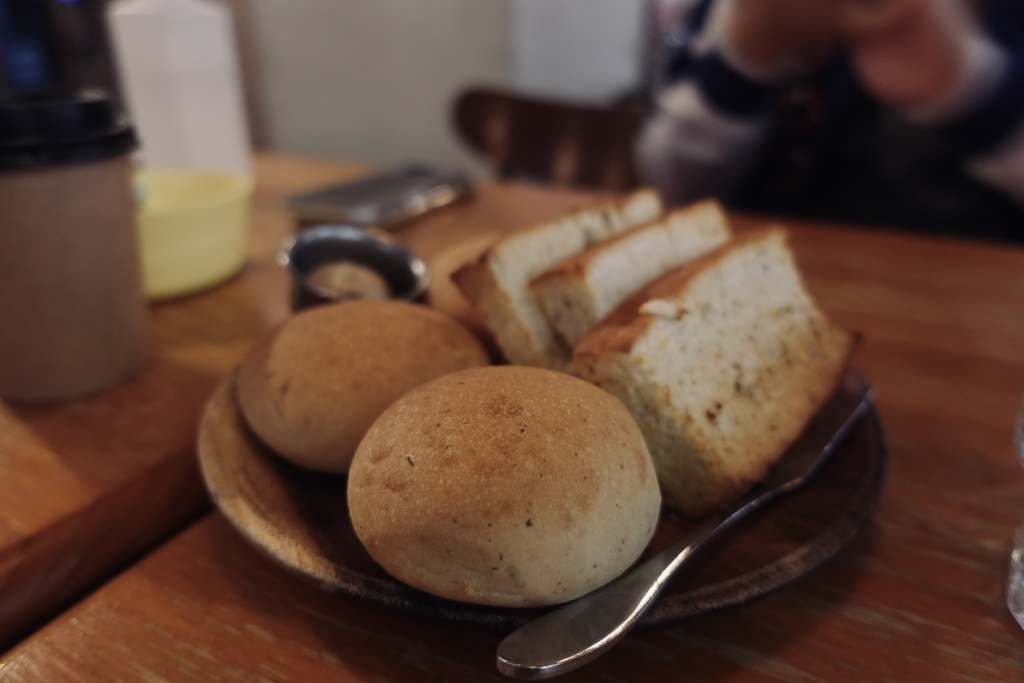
(182, 84)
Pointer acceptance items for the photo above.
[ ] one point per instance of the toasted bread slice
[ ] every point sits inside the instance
(722, 362)
(496, 283)
(578, 292)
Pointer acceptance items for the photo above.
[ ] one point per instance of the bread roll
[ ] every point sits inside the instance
(311, 389)
(504, 485)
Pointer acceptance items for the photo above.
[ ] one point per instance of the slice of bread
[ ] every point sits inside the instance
(580, 291)
(496, 283)
(722, 363)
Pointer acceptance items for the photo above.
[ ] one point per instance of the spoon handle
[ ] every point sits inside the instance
(570, 636)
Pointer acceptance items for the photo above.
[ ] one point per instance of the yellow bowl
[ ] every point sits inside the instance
(193, 228)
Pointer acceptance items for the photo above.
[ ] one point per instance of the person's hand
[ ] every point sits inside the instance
(906, 52)
(781, 36)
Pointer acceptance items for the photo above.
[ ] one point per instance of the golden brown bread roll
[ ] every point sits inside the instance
(504, 485)
(311, 389)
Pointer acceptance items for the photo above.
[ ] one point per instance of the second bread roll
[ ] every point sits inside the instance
(311, 389)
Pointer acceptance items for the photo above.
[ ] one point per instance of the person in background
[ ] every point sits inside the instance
(905, 113)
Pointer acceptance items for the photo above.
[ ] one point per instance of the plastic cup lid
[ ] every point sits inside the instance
(53, 130)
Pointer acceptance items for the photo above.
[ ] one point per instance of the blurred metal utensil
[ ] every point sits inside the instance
(384, 200)
(577, 633)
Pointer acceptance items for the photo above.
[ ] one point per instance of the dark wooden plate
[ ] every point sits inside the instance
(300, 518)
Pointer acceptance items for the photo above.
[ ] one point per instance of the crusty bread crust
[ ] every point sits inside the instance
(505, 485)
(311, 388)
(496, 284)
(445, 296)
(722, 363)
(578, 292)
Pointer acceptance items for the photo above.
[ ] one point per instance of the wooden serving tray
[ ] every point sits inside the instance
(300, 518)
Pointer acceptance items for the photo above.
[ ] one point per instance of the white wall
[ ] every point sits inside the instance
(374, 79)
(585, 50)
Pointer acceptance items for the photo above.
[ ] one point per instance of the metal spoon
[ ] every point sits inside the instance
(577, 633)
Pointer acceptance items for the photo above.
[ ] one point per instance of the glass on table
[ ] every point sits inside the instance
(1015, 580)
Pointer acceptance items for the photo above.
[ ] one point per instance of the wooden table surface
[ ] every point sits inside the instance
(919, 595)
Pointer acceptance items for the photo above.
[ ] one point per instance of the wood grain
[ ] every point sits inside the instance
(917, 596)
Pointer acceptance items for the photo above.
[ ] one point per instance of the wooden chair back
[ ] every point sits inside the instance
(562, 143)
